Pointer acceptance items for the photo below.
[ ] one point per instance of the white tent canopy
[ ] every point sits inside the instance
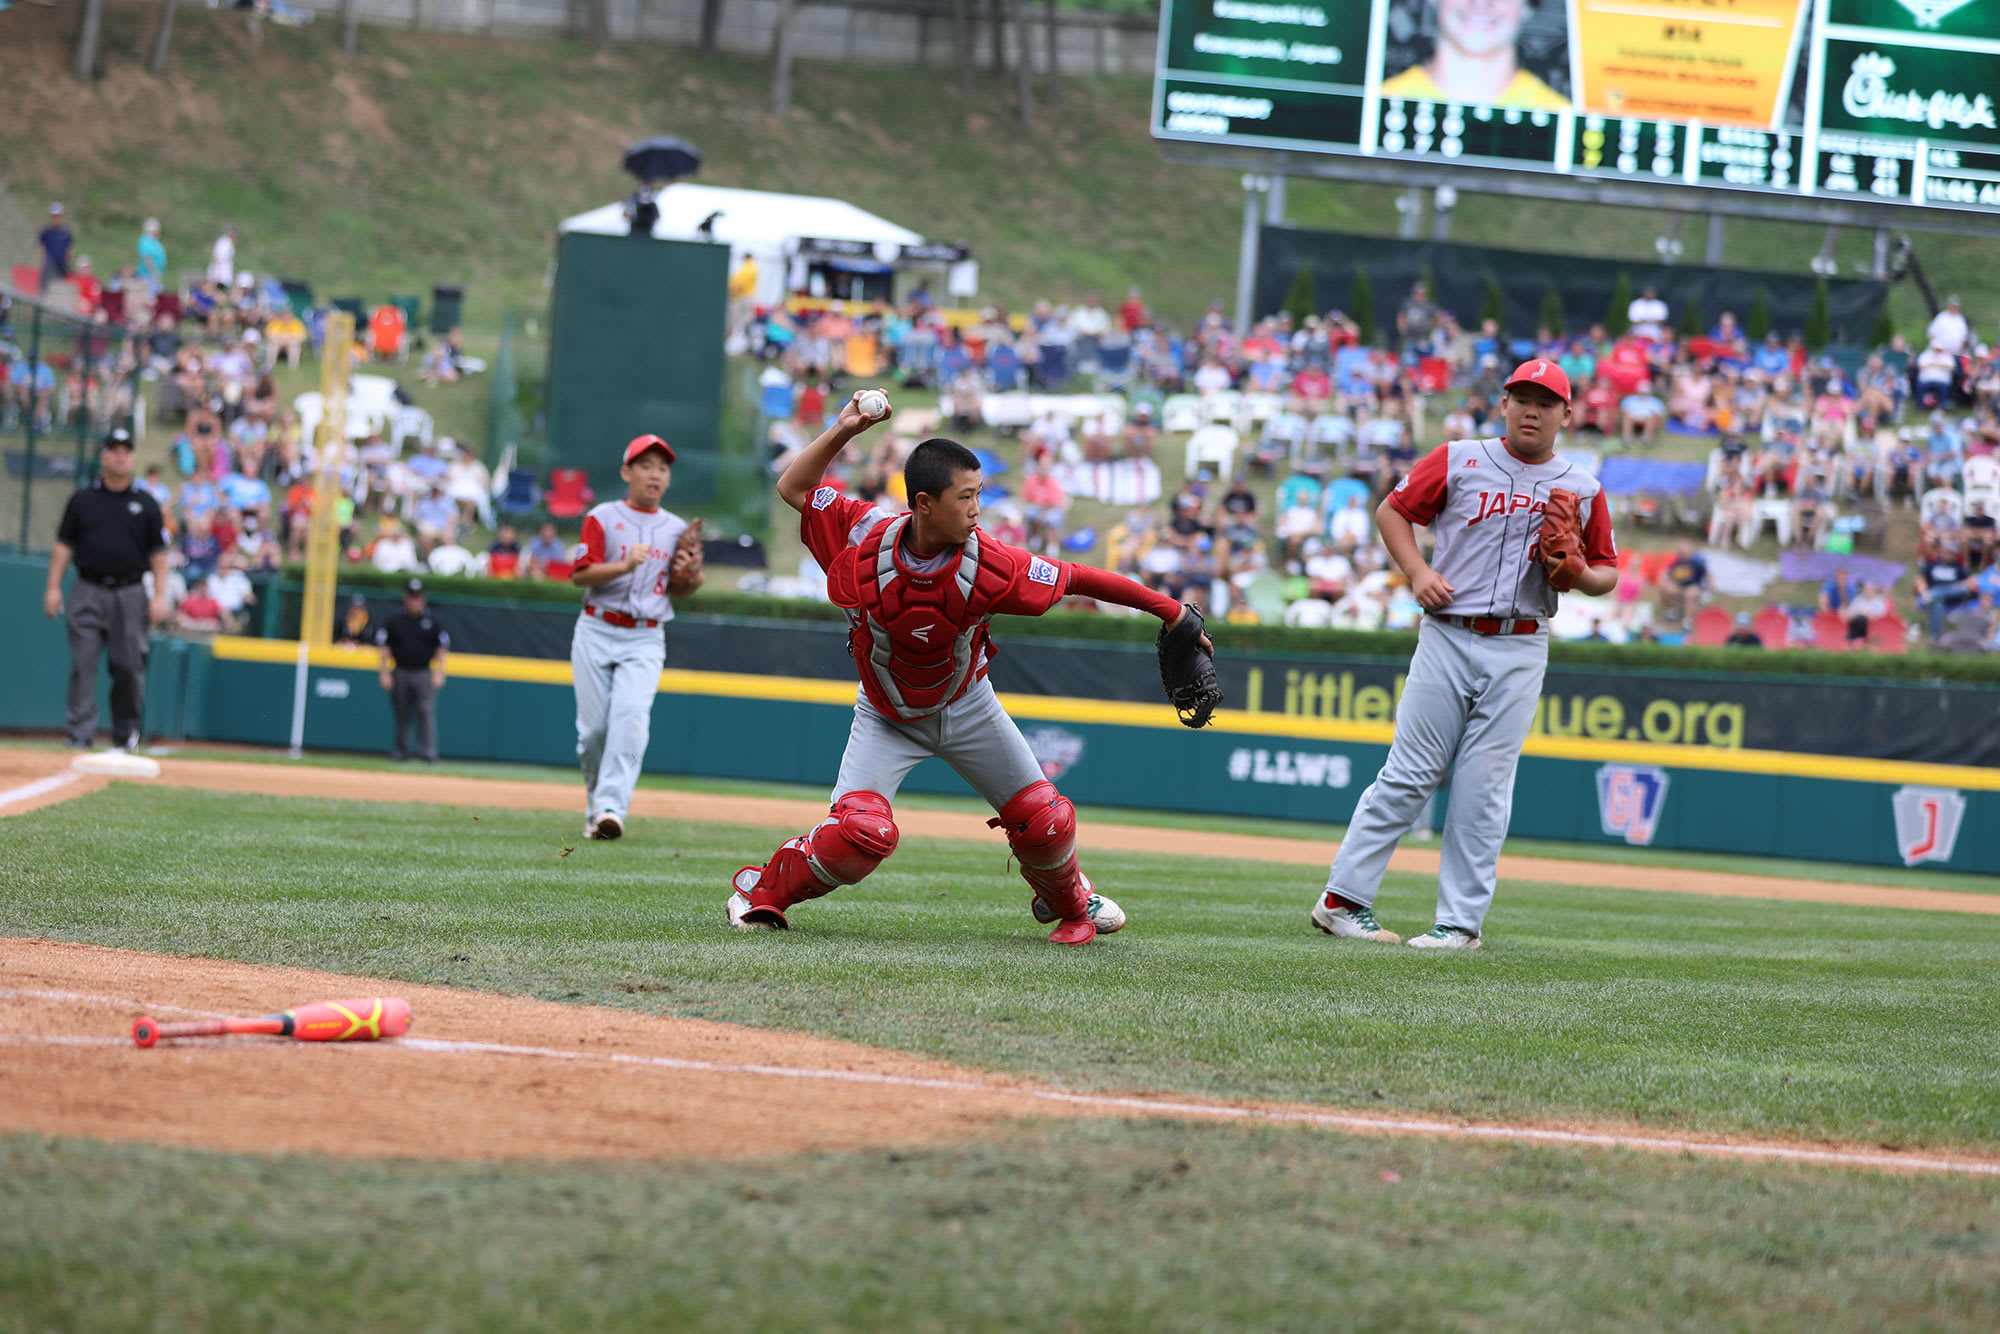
(752, 222)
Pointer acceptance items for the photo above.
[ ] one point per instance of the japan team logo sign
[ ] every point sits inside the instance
(1055, 750)
(1630, 798)
(1927, 820)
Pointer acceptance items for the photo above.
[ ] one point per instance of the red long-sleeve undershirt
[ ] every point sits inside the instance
(1090, 582)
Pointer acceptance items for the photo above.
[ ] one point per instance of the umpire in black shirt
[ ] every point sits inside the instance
(112, 531)
(414, 648)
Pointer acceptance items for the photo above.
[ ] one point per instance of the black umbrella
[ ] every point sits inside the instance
(662, 159)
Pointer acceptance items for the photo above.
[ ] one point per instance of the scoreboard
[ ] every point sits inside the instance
(1890, 101)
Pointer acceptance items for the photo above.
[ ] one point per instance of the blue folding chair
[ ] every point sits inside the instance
(522, 496)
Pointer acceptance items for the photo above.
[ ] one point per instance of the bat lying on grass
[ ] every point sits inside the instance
(328, 1021)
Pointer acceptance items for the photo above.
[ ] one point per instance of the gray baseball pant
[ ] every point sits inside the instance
(973, 735)
(1466, 709)
(414, 697)
(111, 621)
(617, 672)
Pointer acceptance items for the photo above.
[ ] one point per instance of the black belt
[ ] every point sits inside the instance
(110, 580)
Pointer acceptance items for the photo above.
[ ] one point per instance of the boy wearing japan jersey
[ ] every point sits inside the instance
(1477, 674)
(918, 590)
(634, 559)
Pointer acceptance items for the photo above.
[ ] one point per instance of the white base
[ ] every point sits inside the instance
(116, 763)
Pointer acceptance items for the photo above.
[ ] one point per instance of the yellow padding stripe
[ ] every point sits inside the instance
(1234, 722)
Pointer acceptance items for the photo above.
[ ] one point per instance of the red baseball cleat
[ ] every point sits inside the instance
(1076, 931)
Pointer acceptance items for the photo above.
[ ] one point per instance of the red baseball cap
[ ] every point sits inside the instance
(641, 443)
(1544, 373)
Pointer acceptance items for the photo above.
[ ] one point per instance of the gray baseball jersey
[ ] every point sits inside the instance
(616, 667)
(1485, 506)
(1470, 698)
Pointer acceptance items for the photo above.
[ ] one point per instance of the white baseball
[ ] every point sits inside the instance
(873, 403)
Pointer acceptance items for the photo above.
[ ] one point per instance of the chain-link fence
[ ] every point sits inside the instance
(64, 381)
(517, 417)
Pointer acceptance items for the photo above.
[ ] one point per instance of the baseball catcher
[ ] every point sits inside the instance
(1187, 668)
(919, 590)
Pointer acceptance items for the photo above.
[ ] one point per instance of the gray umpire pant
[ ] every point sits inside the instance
(415, 699)
(1466, 710)
(109, 621)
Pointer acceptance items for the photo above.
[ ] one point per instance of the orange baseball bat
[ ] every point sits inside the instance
(328, 1021)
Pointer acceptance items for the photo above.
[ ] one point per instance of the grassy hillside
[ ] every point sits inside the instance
(437, 159)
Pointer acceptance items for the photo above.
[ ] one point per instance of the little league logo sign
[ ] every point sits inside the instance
(1630, 798)
(1055, 750)
(1927, 821)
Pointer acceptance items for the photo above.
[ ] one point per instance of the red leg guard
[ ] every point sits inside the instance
(1041, 828)
(852, 841)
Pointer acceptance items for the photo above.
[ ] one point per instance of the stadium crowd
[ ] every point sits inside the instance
(1816, 445)
(204, 352)
(1295, 430)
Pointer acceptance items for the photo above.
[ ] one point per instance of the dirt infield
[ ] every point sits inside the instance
(31, 779)
(22, 766)
(501, 1077)
(497, 1077)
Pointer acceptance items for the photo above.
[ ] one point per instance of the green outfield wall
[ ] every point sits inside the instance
(1584, 784)
(1114, 753)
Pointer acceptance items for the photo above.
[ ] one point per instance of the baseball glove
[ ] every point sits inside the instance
(1187, 669)
(1562, 541)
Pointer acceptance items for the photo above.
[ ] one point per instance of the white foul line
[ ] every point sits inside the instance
(1110, 1102)
(29, 791)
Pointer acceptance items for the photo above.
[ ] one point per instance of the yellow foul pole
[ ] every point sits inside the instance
(330, 442)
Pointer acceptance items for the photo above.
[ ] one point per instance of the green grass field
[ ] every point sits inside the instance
(1677, 1012)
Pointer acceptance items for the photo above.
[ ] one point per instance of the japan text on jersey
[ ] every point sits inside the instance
(1485, 505)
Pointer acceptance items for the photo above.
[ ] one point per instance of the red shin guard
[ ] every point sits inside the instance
(852, 841)
(1041, 828)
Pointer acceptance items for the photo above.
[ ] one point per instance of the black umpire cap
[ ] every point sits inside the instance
(118, 438)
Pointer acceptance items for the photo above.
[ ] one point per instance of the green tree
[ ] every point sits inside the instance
(1758, 322)
(1690, 322)
(1361, 305)
(1616, 322)
(1552, 310)
(1819, 320)
(1301, 299)
(1493, 305)
(1884, 330)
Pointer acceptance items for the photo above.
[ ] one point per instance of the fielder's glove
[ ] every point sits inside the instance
(1562, 541)
(1187, 669)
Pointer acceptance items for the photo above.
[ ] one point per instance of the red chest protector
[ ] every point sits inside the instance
(919, 639)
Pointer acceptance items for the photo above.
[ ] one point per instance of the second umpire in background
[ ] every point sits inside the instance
(113, 533)
(414, 648)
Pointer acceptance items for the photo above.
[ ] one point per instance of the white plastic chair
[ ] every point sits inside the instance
(1989, 496)
(452, 560)
(1312, 613)
(410, 420)
(1222, 406)
(1215, 445)
(1180, 412)
(1982, 473)
(1942, 500)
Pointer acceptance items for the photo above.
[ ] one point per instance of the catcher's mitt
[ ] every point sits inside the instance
(1187, 670)
(1562, 541)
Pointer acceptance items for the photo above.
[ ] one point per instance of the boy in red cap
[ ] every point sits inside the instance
(634, 560)
(918, 590)
(1515, 526)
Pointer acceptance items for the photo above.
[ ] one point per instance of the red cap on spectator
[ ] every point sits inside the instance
(1544, 373)
(640, 444)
